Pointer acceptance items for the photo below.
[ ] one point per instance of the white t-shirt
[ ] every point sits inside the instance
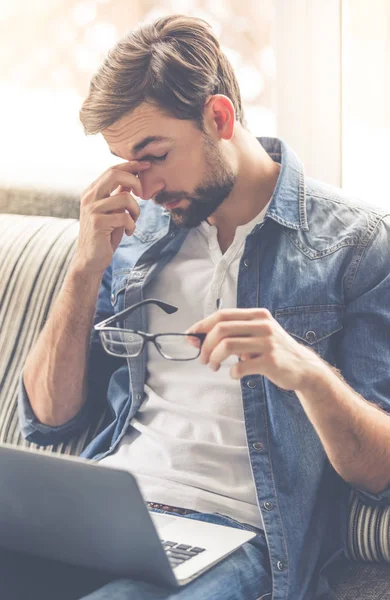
(186, 445)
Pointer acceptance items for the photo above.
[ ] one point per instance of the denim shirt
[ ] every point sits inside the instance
(321, 265)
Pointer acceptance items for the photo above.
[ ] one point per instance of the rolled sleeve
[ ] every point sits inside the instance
(382, 499)
(46, 435)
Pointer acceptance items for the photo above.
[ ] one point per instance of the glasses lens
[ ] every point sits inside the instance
(122, 343)
(178, 347)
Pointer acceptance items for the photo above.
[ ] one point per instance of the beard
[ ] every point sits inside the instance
(208, 196)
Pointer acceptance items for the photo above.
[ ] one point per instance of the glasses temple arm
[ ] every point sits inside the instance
(168, 308)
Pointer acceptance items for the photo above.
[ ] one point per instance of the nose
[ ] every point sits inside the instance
(151, 185)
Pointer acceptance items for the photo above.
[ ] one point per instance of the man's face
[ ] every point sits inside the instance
(188, 175)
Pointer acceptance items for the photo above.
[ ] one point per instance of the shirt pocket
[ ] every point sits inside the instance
(314, 326)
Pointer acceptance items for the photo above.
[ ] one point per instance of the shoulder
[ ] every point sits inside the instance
(330, 209)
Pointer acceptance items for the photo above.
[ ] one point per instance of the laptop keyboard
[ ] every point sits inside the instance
(179, 553)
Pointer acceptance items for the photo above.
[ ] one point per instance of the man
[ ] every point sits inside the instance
(285, 408)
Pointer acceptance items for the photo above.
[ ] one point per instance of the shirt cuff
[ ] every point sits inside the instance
(381, 499)
(39, 433)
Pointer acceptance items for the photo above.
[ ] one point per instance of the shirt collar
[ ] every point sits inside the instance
(288, 204)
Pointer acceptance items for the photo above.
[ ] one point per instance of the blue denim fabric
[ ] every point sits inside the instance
(320, 264)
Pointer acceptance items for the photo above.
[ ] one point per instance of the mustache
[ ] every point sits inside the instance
(166, 197)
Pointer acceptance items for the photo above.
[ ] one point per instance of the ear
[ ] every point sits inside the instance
(219, 116)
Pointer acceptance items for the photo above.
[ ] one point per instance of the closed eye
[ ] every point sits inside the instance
(154, 158)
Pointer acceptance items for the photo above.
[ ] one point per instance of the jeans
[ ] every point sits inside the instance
(244, 575)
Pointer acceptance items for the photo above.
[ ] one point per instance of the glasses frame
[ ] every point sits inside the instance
(101, 328)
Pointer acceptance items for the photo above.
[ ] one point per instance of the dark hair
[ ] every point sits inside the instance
(175, 63)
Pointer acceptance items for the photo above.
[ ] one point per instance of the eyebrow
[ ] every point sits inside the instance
(145, 142)
(149, 140)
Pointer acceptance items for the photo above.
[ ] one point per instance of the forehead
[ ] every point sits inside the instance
(146, 121)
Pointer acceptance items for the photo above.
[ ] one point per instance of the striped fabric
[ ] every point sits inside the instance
(35, 253)
(368, 532)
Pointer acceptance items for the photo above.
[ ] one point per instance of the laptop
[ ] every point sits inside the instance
(82, 513)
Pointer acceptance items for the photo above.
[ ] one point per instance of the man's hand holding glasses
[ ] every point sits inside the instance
(127, 343)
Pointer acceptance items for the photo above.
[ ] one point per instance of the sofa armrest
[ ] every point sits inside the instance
(368, 534)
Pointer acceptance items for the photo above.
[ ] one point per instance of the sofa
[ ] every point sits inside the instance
(38, 233)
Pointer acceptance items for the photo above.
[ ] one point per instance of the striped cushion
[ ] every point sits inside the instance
(368, 532)
(35, 253)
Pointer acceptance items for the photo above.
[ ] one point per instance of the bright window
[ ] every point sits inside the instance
(50, 50)
(366, 99)
(333, 89)
(315, 73)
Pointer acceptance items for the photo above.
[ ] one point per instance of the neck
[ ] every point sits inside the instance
(257, 175)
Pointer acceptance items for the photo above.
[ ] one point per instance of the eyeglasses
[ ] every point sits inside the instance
(126, 343)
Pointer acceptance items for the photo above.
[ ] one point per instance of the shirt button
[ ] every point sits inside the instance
(258, 446)
(246, 262)
(268, 505)
(311, 337)
(280, 565)
(252, 383)
(139, 396)
(172, 235)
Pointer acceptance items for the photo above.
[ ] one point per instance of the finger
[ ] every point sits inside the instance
(230, 329)
(117, 203)
(133, 208)
(107, 223)
(248, 356)
(113, 179)
(235, 346)
(119, 190)
(233, 314)
(126, 188)
(195, 341)
(131, 166)
(255, 366)
(125, 175)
